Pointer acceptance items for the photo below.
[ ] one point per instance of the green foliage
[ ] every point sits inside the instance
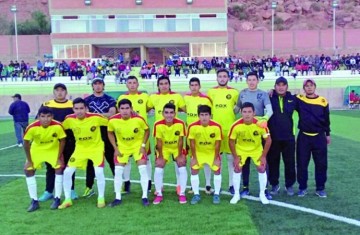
(240, 12)
(38, 24)
(316, 6)
(4, 26)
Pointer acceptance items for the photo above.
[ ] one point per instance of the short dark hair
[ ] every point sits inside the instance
(79, 100)
(163, 78)
(45, 110)
(204, 109)
(169, 106)
(221, 71)
(125, 101)
(248, 105)
(132, 77)
(252, 74)
(194, 79)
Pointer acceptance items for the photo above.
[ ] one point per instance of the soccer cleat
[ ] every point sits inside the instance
(302, 192)
(264, 200)
(101, 203)
(149, 186)
(67, 203)
(321, 193)
(268, 195)
(55, 204)
(190, 191)
(88, 192)
(145, 201)
(275, 190)
(290, 191)
(156, 193)
(209, 190)
(178, 190)
(195, 200)
(127, 186)
(114, 203)
(158, 200)
(20, 145)
(231, 190)
(216, 199)
(34, 205)
(74, 195)
(235, 199)
(182, 199)
(245, 192)
(45, 196)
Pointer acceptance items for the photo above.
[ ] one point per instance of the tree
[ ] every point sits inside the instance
(4, 26)
(38, 24)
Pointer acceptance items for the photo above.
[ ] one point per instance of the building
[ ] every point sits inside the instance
(151, 29)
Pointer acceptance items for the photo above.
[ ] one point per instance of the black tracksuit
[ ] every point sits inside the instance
(314, 127)
(281, 126)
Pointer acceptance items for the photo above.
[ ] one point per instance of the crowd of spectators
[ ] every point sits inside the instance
(176, 65)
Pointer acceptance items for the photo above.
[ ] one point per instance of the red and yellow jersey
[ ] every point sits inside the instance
(192, 103)
(139, 102)
(248, 137)
(224, 101)
(129, 133)
(157, 101)
(170, 134)
(45, 139)
(86, 131)
(205, 137)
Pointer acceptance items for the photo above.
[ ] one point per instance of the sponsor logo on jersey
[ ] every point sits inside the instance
(177, 133)
(136, 130)
(93, 128)
(212, 135)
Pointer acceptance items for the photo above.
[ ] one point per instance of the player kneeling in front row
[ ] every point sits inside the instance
(88, 146)
(169, 133)
(132, 133)
(205, 138)
(44, 141)
(245, 141)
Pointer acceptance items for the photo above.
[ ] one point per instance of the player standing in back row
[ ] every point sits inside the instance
(224, 100)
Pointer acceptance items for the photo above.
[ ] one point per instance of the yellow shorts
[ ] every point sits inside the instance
(79, 159)
(202, 160)
(256, 158)
(40, 157)
(170, 155)
(125, 157)
(224, 148)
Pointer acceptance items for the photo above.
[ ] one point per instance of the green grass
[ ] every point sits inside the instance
(248, 217)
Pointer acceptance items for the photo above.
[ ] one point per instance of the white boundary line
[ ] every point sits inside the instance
(251, 198)
(8, 147)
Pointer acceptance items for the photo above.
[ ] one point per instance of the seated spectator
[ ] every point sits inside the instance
(143, 72)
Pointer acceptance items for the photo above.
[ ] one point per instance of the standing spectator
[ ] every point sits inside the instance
(1, 68)
(313, 138)
(20, 111)
(283, 140)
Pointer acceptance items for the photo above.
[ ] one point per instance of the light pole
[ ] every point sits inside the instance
(335, 4)
(273, 7)
(13, 9)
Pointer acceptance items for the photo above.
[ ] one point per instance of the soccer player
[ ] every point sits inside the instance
(139, 101)
(131, 133)
(192, 100)
(60, 107)
(261, 101)
(103, 104)
(224, 100)
(169, 134)
(245, 141)
(88, 146)
(205, 138)
(313, 138)
(157, 102)
(281, 126)
(44, 141)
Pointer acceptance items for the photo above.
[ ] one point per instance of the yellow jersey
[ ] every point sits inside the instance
(157, 101)
(192, 103)
(139, 102)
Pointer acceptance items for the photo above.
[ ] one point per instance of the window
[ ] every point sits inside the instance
(208, 49)
(71, 51)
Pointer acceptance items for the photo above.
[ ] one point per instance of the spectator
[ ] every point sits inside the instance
(20, 111)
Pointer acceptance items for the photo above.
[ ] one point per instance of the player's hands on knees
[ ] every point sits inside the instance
(143, 151)
(160, 162)
(60, 162)
(28, 165)
(181, 160)
(237, 167)
(217, 161)
(193, 162)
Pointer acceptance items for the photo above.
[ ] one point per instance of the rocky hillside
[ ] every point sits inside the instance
(24, 7)
(246, 15)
